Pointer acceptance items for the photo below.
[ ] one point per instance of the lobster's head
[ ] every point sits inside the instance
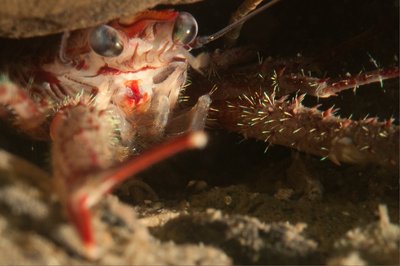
(149, 39)
(135, 59)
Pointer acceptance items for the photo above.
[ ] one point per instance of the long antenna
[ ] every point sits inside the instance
(202, 40)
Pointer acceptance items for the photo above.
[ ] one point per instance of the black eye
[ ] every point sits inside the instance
(185, 28)
(106, 41)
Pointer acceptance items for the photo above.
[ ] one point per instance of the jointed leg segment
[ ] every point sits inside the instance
(28, 114)
(83, 156)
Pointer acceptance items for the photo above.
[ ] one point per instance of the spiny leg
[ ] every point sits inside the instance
(326, 87)
(82, 144)
(29, 114)
(281, 80)
(248, 103)
(83, 155)
(321, 133)
(92, 191)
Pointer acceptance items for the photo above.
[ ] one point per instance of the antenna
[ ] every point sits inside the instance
(202, 40)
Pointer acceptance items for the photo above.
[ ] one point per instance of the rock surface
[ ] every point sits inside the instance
(21, 19)
(34, 231)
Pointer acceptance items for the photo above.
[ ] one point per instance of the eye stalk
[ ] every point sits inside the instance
(106, 41)
(185, 28)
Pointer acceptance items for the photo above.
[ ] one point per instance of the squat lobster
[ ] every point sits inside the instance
(107, 95)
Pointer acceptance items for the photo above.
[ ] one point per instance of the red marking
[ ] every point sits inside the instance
(327, 113)
(94, 91)
(135, 25)
(80, 216)
(106, 70)
(81, 65)
(134, 96)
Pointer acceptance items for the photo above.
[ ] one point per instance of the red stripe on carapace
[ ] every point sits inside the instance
(106, 70)
(135, 25)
